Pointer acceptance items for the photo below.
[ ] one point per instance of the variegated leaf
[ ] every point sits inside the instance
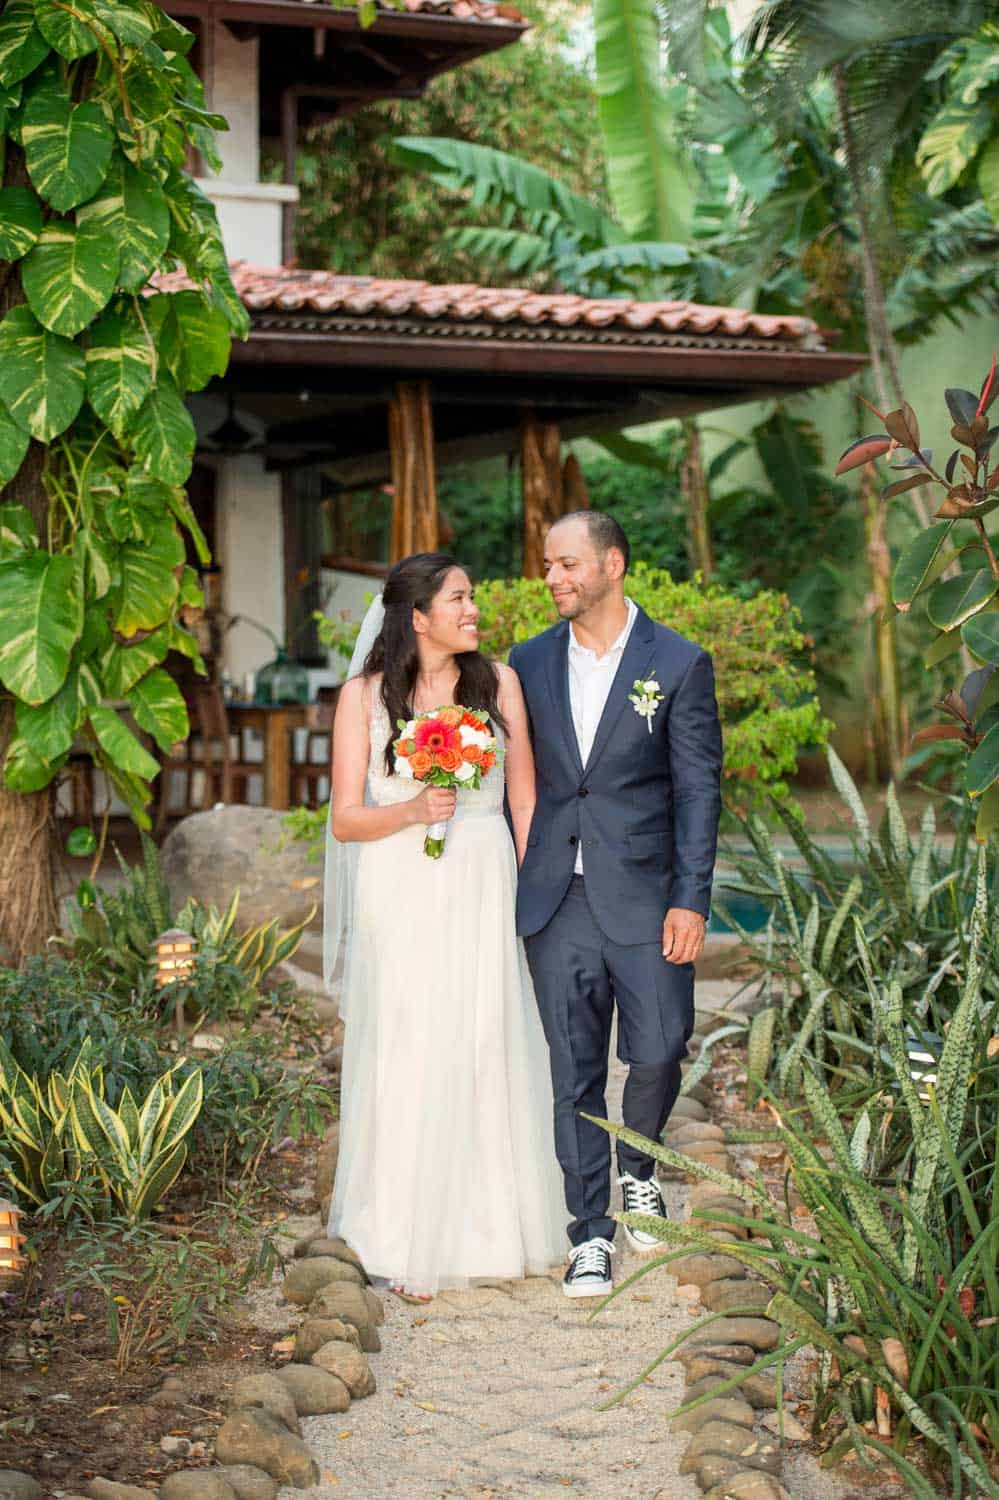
(42, 379)
(22, 46)
(20, 222)
(70, 275)
(73, 30)
(13, 447)
(67, 146)
(41, 620)
(163, 434)
(119, 368)
(132, 210)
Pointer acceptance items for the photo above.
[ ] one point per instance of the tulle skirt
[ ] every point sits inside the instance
(447, 1172)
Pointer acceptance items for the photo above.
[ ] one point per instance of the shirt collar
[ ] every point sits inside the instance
(618, 645)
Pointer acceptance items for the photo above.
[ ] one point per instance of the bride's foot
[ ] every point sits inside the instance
(406, 1296)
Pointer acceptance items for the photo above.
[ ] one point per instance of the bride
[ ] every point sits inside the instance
(447, 1170)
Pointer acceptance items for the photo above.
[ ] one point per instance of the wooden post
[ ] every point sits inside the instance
(415, 518)
(541, 485)
(575, 495)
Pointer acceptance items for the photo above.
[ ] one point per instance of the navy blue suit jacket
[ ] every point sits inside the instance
(645, 806)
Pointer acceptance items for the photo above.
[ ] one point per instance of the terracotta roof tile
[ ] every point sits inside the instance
(289, 290)
(461, 10)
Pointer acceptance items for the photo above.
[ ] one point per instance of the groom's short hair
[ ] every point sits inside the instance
(604, 532)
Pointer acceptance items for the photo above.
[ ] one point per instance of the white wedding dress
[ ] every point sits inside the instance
(447, 1171)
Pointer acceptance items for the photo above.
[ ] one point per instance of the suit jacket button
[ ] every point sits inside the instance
(573, 839)
(584, 791)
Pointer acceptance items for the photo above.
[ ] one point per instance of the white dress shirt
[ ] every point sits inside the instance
(590, 678)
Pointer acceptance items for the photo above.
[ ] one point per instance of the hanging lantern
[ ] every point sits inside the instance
(175, 950)
(12, 1262)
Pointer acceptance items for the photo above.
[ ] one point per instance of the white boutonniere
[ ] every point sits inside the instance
(645, 699)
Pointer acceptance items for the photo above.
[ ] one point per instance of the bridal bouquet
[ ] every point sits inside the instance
(450, 747)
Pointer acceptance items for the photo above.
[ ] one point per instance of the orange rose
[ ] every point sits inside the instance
(421, 763)
(404, 747)
(471, 720)
(473, 754)
(449, 760)
(452, 716)
(488, 761)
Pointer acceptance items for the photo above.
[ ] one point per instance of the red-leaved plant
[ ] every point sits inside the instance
(963, 608)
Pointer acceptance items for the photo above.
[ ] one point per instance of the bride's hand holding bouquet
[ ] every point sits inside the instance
(450, 747)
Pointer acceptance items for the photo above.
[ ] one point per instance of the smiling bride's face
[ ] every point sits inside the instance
(452, 621)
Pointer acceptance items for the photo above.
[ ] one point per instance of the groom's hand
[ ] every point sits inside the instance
(683, 935)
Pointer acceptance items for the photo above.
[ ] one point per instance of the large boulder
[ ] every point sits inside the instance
(209, 854)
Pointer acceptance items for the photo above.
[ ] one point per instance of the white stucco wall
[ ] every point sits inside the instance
(251, 553)
(347, 593)
(249, 211)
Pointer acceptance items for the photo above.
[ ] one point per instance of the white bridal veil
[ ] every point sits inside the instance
(341, 859)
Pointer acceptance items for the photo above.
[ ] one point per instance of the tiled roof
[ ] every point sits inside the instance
(284, 290)
(461, 10)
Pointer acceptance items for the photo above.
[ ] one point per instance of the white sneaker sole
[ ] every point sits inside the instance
(588, 1289)
(643, 1246)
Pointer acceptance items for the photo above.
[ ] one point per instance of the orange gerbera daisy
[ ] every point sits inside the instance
(434, 735)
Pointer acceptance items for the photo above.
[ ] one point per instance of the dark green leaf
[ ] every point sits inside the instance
(196, 340)
(913, 566)
(955, 600)
(127, 22)
(945, 645)
(42, 378)
(983, 764)
(981, 636)
(18, 532)
(81, 842)
(988, 814)
(962, 405)
(20, 222)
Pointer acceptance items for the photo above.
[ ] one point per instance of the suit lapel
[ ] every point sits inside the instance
(636, 662)
(558, 679)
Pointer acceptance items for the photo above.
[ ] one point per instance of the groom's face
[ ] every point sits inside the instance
(575, 572)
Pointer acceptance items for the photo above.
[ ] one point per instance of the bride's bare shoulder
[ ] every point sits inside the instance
(357, 693)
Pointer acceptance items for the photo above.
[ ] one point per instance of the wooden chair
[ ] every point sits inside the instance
(308, 776)
(209, 753)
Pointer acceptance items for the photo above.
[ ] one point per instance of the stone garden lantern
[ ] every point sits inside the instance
(12, 1262)
(175, 953)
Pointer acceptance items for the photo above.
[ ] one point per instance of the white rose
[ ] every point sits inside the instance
(403, 768)
(470, 736)
(465, 771)
(652, 687)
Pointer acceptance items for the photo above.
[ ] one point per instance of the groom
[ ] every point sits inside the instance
(616, 881)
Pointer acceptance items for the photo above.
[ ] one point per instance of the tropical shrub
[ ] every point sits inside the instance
(65, 1133)
(895, 1286)
(952, 568)
(893, 907)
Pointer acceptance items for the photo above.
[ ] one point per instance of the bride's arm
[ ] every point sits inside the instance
(519, 763)
(351, 820)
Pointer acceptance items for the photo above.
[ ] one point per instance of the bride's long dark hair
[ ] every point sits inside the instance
(412, 584)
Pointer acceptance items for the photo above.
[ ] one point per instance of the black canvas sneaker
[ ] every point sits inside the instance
(589, 1273)
(642, 1198)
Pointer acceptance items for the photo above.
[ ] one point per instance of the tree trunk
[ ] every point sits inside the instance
(696, 498)
(29, 911)
(415, 516)
(541, 480)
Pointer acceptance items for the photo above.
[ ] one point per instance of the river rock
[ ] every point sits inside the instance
(376, 1307)
(209, 854)
(708, 1154)
(339, 1249)
(343, 1300)
(196, 1484)
(312, 1273)
(686, 1108)
(759, 1390)
(252, 1435)
(347, 1364)
(248, 1482)
(762, 1334)
(793, 1430)
(748, 1484)
(111, 1489)
(731, 1440)
(301, 1247)
(701, 1266)
(315, 1392)
(719, 1409)
(269, 1392)
(722, 1296)
(17, 1486)
(689, 1132)
(315, 1332)
(699, 1360)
